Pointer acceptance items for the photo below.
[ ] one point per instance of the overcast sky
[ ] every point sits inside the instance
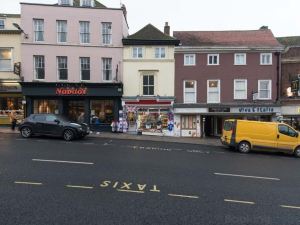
(282, 16)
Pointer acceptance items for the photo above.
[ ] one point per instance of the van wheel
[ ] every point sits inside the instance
(68, 135)
(297, 152)
(244, 147)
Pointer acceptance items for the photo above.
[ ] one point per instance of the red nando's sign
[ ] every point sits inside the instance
(71, 91)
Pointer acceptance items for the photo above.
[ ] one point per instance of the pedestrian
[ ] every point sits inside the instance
(113, 126)
(80, 118)
(13, 120)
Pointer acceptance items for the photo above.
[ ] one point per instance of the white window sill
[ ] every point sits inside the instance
(213, 64)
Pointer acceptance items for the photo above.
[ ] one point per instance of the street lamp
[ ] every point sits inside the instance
(20, 29)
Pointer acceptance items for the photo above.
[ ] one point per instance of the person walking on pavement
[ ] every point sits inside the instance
(13, 120)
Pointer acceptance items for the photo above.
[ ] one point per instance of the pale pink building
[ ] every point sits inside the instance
(72, 45)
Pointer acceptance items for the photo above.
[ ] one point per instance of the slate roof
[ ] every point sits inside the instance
(289, 41)
(150, 35)
(249, 38)
(76, 3)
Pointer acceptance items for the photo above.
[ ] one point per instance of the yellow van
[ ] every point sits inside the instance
(245, 135)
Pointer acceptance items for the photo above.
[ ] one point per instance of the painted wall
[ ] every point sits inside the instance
(226, 72)
(163, 69)
(72, 49)
(11, 41)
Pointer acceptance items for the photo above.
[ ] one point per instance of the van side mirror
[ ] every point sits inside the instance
(297, 134)
(57, 121)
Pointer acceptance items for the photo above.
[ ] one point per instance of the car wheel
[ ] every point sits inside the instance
(244, 147)
(26, 132)
(297, 152)
(68, 135)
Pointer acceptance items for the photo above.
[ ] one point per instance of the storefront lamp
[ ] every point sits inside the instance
(20, 29)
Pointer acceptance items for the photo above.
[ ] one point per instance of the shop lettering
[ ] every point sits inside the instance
(71, 91)
(256, 110)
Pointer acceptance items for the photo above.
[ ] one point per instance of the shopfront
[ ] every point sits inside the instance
(291, 115)
(149, 116)
(11, 100)
(208, 121)
(95, 104)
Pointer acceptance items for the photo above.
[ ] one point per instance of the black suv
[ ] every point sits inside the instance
(52, 125)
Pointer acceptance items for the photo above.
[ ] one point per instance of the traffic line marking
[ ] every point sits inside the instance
(290, 207)
(80, 187)
(183, 196)
(245, 176)
(238, 201)
(131, 191)
(59, 161)
(27, 183)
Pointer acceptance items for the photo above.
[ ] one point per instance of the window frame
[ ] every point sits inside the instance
(58, 69)
(160, 53)
(219, 91)
(37, 31)
(81, 33)
(195, 92)
(240, 64)
(109, 34)
(148, 85)
(104, 70)
(137, 55)
(61, 32)
(213, 55)
(187, 62)
(11, 60)
(270, 90)
(2, 27)
(193, 122)
(35, 68)
(86, 5)
(234, 89)
(261, 59)
(81, 69)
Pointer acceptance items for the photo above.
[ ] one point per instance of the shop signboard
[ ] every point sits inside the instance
(255, 109)
(71, 91)
(219, 109)
(10, 87)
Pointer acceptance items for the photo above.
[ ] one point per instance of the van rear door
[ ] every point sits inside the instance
(228, 130)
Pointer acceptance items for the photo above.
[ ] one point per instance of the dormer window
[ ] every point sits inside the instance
(65, 2)
(87, 3)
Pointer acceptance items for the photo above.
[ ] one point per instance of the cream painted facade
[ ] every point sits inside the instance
(162, 69)
(10, 39)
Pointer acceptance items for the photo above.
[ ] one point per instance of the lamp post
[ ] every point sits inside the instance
(20, 29)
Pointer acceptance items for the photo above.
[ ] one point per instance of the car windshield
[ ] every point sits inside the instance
(62, 118)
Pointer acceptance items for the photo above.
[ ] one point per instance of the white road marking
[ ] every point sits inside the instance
(245, 176)
(183, 196)
(290, 207)
(123, 190)
(80, 187)
(59, 161)
(237, 201)
(28, 183)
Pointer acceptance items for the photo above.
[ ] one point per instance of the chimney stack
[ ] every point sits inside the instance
(264, 28)
(167, 29)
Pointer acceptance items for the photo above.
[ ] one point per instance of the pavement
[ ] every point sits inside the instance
(211, 141)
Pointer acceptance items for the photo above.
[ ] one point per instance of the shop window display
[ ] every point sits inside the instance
(45, 106)
(153, 120)
(9, 104)
(102, 111)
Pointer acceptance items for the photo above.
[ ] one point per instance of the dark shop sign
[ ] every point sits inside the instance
(71, 91)
(219, 109)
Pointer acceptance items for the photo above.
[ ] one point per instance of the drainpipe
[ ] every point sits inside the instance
(278, 83)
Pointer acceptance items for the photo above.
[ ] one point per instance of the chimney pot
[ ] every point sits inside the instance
(167, 29)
